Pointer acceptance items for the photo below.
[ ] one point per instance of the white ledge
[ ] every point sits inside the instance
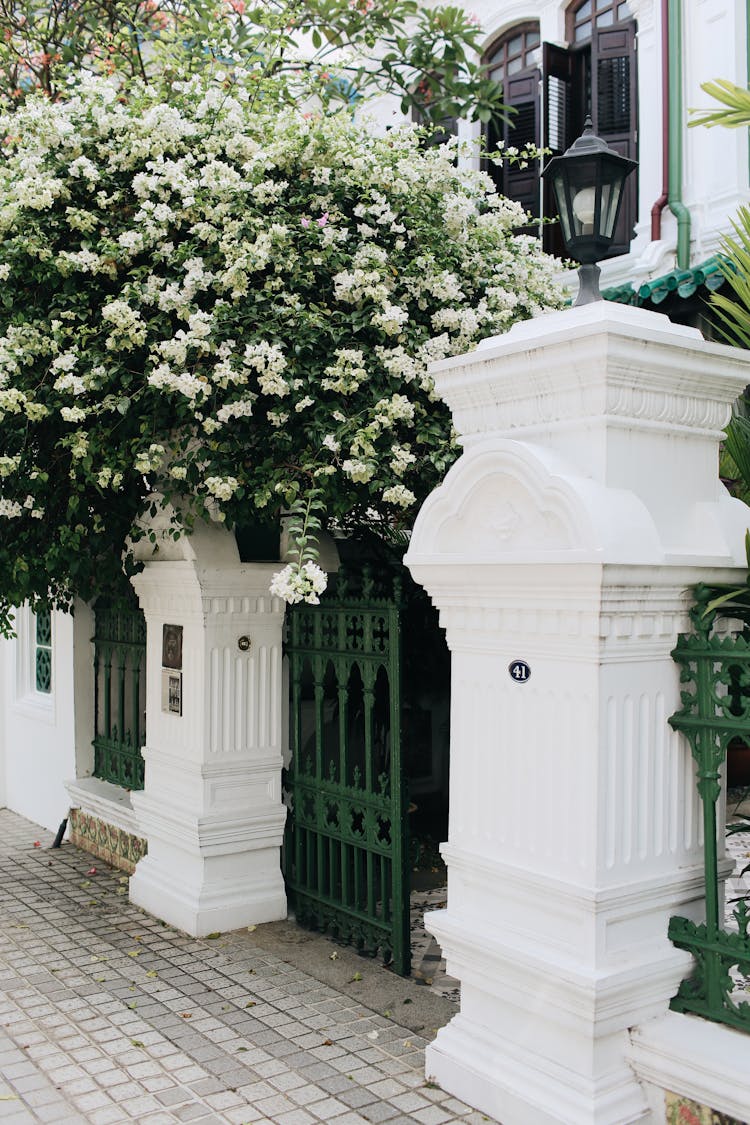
(697, 1059)
(108, 802)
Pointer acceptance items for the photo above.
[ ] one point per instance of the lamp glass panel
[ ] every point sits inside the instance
(611, 193)
(583, 197)
(559, 182)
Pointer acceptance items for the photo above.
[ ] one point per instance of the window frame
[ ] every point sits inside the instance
(28, 698)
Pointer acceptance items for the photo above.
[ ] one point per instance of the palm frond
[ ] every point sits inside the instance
(736, 102)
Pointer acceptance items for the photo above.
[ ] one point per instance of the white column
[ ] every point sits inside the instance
(585, 504)
(211, 807)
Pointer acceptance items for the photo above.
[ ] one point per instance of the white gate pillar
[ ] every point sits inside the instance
(560, 550)
(211, 808)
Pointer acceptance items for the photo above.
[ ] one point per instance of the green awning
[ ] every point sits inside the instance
(682, 282)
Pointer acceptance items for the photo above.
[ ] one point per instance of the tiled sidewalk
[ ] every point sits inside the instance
(108, 1016)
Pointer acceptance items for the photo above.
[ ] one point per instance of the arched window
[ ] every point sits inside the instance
(554, 88)
(513, 61)
(586, 16)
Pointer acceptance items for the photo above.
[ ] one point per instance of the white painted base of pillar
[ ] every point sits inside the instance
(211, 873)
(542, 1036)
(221, 901)
(491, 1074)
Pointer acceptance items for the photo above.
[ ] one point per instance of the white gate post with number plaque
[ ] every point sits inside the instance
(585, 505)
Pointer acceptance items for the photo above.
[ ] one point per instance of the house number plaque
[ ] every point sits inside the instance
(519, 671)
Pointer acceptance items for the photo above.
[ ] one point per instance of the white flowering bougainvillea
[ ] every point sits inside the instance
(209, 301)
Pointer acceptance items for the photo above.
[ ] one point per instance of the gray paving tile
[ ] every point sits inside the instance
(117, 1039)
(378, 1112)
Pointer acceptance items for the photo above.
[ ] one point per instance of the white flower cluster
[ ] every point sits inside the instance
(9, 465)
(12, 509)
(277, 285)
(397, 408)
(72, 413)
(151, 459)
(107, 478)
(191, 387)
(241, 408)
(399, 495)
(129, 330)
(346, 374)
(222, 488)
(391, 318)
(297, 583)
(269, 361)
(401, 460)
(359, 471)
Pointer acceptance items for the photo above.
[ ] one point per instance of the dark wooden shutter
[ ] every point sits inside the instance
(558, 67)
(522, 93)
(614, 106)
(522, 184)
(563, 77)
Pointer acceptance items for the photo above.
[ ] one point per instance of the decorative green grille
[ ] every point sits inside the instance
(346, 847)
(715, 710)
(120, 688)
(43, 651)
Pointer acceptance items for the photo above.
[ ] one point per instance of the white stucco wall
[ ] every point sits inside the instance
(716, 160)
(37, 731)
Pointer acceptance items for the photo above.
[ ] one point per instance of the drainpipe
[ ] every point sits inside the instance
(658, 207)
(676, 126)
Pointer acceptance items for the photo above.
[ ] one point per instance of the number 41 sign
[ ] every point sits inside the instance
(519, 671)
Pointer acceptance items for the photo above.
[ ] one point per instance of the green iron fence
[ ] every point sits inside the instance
(346, 846)
(715, 672)
(120, 694)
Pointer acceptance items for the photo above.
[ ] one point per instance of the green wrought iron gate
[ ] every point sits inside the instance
(120, 692)
(346, 847)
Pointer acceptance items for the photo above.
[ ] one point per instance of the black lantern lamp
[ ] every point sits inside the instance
(588, 182)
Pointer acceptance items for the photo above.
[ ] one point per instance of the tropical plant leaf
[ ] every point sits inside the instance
(736, 102)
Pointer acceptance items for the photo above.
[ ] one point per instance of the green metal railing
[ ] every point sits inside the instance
(120, 694)
(346, 847)
(715, 710)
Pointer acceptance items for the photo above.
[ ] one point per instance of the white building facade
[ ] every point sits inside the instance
(637, 67)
